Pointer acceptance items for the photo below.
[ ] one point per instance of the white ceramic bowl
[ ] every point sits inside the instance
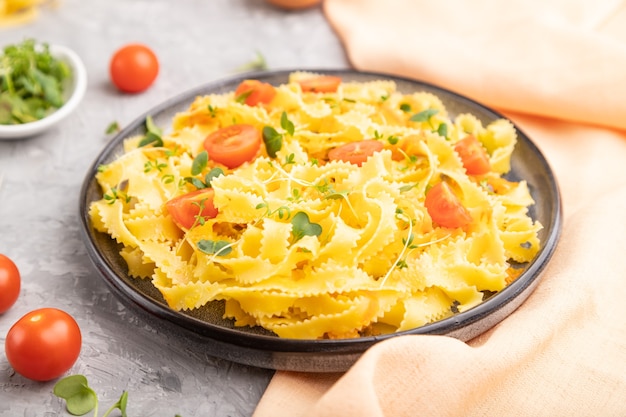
(75, 88)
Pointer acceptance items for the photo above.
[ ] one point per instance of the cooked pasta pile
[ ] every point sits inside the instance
(308, 247)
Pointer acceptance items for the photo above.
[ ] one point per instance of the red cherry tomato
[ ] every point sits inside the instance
(473, 155)
(10, 283)
(320, 84)
(445, 208)
(44, 344)
(355, 152)
(233, 145)
(133, 68)
(253, 92)
(188, 209)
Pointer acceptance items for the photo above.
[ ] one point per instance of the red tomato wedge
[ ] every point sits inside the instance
(355, 152)
(253, 92)
(473, 155)
(233, 145)
(445, 208)
(190, 209)
(320, 84)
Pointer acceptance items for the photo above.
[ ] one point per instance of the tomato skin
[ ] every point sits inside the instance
(355, 152)
(185, 208)
(43, 344)
(473, 155)
(233, 145)
(445, 208)
(320, 84)
(10, 283)
(133, 68)
(257, 92)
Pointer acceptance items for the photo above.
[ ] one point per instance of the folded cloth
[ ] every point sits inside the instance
(556, 68)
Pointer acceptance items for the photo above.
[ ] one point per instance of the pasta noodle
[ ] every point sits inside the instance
(307, 246)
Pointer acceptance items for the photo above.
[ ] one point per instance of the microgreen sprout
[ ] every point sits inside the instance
(113, 127)
(283, 212)
(424, 115)
(257, 64)
(215, 247)
(442, 130)
(153, 134)
(302, 226)
(273, 139)
(405, 107)
(199, 219)
(212, 110)
(400, 260)
(152, 165)
(80, 398)
(198, 165)
(117, 193)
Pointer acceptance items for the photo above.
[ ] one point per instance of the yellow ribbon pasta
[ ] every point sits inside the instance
(308, 247)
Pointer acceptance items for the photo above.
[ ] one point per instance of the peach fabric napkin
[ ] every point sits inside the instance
(557, 68)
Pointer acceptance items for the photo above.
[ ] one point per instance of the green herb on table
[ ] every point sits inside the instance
(257, 64)
(80, 398)
(31, 82)
(113, 127)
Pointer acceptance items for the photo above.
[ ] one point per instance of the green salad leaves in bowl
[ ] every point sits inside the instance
(40, 84)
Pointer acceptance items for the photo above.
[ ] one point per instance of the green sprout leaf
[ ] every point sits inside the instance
(424, 115)
(120, 404)
(213, 247)
(152, 127)
(199, 163)
(442, 130)
(287, 124)
(405, 107)
(113, 127)
(241, 98)
(79, 397)
(214, 173)
(302, 226)
(257, 64)
(153, 134)
(273, 141)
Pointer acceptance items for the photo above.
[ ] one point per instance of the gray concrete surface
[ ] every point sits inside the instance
(197, 41)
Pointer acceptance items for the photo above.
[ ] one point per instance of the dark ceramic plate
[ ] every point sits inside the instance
(253, 347)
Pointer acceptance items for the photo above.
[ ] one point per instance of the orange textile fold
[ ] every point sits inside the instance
(557, 69)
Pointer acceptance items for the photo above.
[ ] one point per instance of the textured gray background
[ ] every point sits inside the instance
(197, 41)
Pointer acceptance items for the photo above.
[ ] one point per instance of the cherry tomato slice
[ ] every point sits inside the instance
(320, 84)
(355, 152)
(253, 92)
(445, 208)
(44, 344)
(473, 155)
(186, 209)
(133, 68)
(10, 283)
(233, 145)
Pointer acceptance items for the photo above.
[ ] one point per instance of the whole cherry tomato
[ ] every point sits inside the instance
(44, 344)
(10, 283)
(133, 68)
